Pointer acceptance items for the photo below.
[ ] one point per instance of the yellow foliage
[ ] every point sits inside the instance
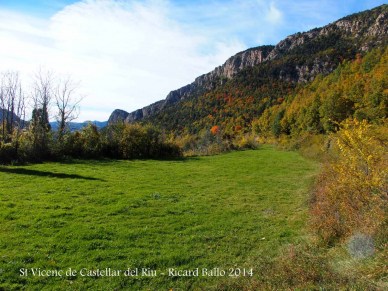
(351, 194)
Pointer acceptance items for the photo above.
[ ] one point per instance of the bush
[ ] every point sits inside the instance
(170, 150)
(111, 138)
(91, 142)
(246, 142)
(136, 141)
(72, 145)
(123, 141)
(139, 142)
(7, 153)
(26, 149)
(350, 195)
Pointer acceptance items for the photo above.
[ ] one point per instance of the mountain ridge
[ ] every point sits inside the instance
(73, 126)
(232, 66)
(304, 55)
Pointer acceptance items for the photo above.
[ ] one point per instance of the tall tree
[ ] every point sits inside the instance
(40, 126)
(12, 103)
(67, 101)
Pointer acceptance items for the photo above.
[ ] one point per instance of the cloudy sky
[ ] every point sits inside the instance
(130, 53)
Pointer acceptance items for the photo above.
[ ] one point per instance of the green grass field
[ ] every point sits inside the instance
(224, 211)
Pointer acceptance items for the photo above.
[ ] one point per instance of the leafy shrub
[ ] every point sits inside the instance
(72, 145)
(187, 142)
(26, 150)
(246, 141)
(91, 142)
(111, 137)
(139, 142)
(350, 195)
(123, 141)
(169, 150)
(135, 141)
(81, 144)
(7, 153)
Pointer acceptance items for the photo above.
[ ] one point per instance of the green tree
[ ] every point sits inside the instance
(40, 129)
(276, 126)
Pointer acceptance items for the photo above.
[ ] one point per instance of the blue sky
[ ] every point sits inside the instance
(130, 53)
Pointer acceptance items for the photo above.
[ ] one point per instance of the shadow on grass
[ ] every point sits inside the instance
(22, 171)
(79, 161)
(110, 161)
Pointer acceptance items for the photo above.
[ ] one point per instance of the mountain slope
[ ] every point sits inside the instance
(203, 83)
(264, 74)
(73, 126)
(356, 89)
(6, 114)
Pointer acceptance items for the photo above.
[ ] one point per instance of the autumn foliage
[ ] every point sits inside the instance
(215, 129)
(351, 194)
(356, 89)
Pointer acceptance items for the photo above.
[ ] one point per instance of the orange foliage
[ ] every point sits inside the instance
(215, 129)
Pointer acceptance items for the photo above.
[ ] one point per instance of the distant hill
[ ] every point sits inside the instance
(15, 118)
(234, 94)
(54, 125)
(79, 125)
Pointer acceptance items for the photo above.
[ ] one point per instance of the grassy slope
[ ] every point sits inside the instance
(219, 211)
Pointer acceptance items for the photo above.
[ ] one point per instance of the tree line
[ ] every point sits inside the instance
(31, 139)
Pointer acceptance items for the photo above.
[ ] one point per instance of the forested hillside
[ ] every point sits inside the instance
(241, 90)
(356, 89)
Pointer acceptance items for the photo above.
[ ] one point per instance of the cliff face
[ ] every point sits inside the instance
(308, 54)
(203, 83)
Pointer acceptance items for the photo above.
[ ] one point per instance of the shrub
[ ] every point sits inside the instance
(73, 145)
(111, 137)
(145, 141)
(170, 150)
(26, 150)
(135, 142)
(187, 143)
(91, 142)
(350, 195)
(7, 153)
(246, 142)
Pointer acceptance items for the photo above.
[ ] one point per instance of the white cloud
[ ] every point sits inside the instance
(274, 15)
(127, 54)
(130, 53)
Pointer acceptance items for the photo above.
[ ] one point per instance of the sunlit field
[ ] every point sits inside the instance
(150, 221)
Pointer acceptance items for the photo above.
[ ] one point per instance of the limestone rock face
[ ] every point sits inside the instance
(360, 32)
(117, 115)
(203, 83)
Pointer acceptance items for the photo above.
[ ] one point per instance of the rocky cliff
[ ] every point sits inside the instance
(302, 57)
(203, 83)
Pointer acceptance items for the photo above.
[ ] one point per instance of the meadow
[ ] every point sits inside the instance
(224, 211)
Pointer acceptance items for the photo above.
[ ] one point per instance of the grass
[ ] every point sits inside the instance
(222, 211)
